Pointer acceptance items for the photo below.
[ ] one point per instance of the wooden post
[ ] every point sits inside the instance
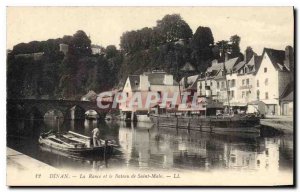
(177, 126)
(105, 148)
(210, 127)
(200, 124)
(132, 116)
(189, 125)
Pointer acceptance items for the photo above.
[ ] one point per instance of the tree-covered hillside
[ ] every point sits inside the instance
(168, 46)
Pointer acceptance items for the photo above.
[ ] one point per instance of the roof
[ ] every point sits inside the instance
(91, 95)
(252, 65)
(215, 66)
(191, 82)
(277, 58)
(134, 81)
(229, 66)
(239, 66)
(231, 63)
(288, 93)
(187, 67)
(153, 78)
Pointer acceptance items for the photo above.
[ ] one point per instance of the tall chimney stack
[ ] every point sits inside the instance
(289, 58)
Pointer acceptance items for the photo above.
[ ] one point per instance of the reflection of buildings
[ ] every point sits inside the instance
(254, 159)
(164, 149)
(125, 141)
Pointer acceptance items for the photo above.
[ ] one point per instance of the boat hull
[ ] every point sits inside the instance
(209, 124)
(78, 147)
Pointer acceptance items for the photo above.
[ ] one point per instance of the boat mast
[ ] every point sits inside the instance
(57, 118)
(225, 50)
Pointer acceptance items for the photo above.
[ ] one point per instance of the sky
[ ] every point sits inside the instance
(258, 27)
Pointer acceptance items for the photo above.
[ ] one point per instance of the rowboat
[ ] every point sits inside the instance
(75, 144)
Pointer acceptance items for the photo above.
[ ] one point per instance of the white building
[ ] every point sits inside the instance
(155, 81)
(267, 78)
(272, 77)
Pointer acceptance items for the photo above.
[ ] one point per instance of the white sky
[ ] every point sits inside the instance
(258, 27)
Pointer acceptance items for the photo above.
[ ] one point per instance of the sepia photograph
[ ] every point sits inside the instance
(150, 96)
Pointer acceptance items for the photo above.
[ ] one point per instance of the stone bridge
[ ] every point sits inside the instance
(37, 108)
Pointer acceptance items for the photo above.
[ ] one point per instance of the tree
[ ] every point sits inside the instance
(80, 44)
(173, 28)
(235, 46)
(202, 38)
(111, 51)
(202, 44)
(249, 53)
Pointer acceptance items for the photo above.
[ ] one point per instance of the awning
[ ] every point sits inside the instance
(235, 104)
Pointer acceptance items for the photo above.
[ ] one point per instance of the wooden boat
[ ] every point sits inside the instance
(76, 144)
(248, 124)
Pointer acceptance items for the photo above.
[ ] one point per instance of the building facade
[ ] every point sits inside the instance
(264, 78)
(272, 77)
(155, 82)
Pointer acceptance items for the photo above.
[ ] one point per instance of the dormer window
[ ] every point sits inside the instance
(136, 82)
(265, 69)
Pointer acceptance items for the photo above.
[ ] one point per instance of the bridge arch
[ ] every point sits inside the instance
(92, 114)
(53, 119)
(53, 114)
(75, 112)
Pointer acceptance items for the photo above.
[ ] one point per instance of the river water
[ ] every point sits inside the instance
(143, 146)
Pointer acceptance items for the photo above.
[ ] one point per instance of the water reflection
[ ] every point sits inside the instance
(143, 146)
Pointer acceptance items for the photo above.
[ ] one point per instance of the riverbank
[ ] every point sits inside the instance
(18, 163)
(284, 124)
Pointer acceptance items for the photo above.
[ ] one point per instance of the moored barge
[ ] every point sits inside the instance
(236, 123)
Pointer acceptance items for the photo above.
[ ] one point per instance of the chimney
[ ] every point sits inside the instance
(245, 56)
(289, 58)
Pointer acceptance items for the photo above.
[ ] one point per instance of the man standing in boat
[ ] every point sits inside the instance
(96, 137)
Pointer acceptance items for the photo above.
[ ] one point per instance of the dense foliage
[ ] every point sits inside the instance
(168, 46)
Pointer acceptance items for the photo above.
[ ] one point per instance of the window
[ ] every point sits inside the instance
(159, 94)
(233, 83)
(218, 85)
(247, 81)
(245, 70)
(243, 82)
(265, 69)
(266, 81)
(136, 82)
(223, 84)
(257, 83)
(258, 162)
(223, 73)
(200, 87)
(211, 83)
(232, 94)
(257, 94)
(243, 94)
(266, 95)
